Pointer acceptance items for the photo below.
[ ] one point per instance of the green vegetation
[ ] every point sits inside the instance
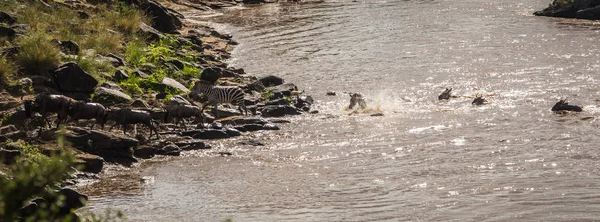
(37, 54)
(33, 175)
(7, 71)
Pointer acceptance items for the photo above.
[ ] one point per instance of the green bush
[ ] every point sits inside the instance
(37, 54)
(33, 175)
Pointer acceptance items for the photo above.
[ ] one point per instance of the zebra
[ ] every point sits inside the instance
(220, 94)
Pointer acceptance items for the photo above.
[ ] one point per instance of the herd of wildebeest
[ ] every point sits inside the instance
(178, 109)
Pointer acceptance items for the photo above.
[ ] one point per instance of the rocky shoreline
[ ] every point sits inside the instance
(267, 97)
(580, 9)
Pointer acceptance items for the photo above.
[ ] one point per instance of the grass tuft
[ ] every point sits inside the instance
(37, 54)
(7, 72)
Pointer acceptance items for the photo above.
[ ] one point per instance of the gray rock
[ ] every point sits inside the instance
(271, 80)
(278, 111)
(192, 144)
(90, 163)
(174, 84)
(138, 103)
(170, 149)
(144, 152)
(139, 73)
(150, 33)
(120, 75)
(7, 32)
(111, 85)
(69, 47)
(162, 20)
(241, 120)
(71, 78)
(211, 74)
(120, 61)
(7, 18)
(108, 96)
(251, 143)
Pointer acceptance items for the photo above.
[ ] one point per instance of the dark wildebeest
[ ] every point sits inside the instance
(479, 100)
(357, 98)
(84, 110)
(180, 112)
(445, 95)
(126, 116)
(563, 105)
(46, 104)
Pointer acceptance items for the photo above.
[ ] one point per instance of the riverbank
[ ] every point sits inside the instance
(126, 54)
(580, 9)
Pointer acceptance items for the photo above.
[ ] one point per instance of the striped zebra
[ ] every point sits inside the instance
(220, 94)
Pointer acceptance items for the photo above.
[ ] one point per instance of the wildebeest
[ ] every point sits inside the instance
(180, 112)
(563, 105)
(445, 95)
(126, 116)
(84, 110)
(479, 100)
(45, 104)
(357, 98)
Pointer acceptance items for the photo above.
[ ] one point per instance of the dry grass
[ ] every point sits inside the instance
(37, 54)
(7, 71)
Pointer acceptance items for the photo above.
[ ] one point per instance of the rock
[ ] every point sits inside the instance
(120, 61)
(192, 145)
(8, 129)
(150, 33)
(7, 32)
(286, 88)
(72, 200)
(69, 47)
(280, 121)
(138, 103)
(71, 78)
(331, 93)
(177, 63)
(13, 136)
(9, 156)
(90, 163)
(169, 150)
(251, 143)
(279, 101)
(7, 18)
(256, 127)
(271, 80)
(211, 134)
(144, 152)
(314, 112)
(278, 111)
(161, 95)
(304, 102)
(10, 52)
(242, 120)
(120, 75)
(109, 97)
(162, 20)
(139, 73)
(211, 74)
(233, 132)
(377, 114)
(174, 84)
(83, 15)
(111, 85)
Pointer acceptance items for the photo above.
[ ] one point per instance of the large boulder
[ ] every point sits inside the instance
(7, 18)
(71, 78)
(174, 84)
(150, 33)
(7, 32)
(271, 80)
(211, 74)
(108, 96)
(90, 163)
(162, 20)
(589, 13)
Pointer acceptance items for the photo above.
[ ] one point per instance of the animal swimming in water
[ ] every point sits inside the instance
(563, 105)
(357, 98)
(479, 100)
(445, 95)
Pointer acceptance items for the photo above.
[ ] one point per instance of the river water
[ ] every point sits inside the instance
(424, 160)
